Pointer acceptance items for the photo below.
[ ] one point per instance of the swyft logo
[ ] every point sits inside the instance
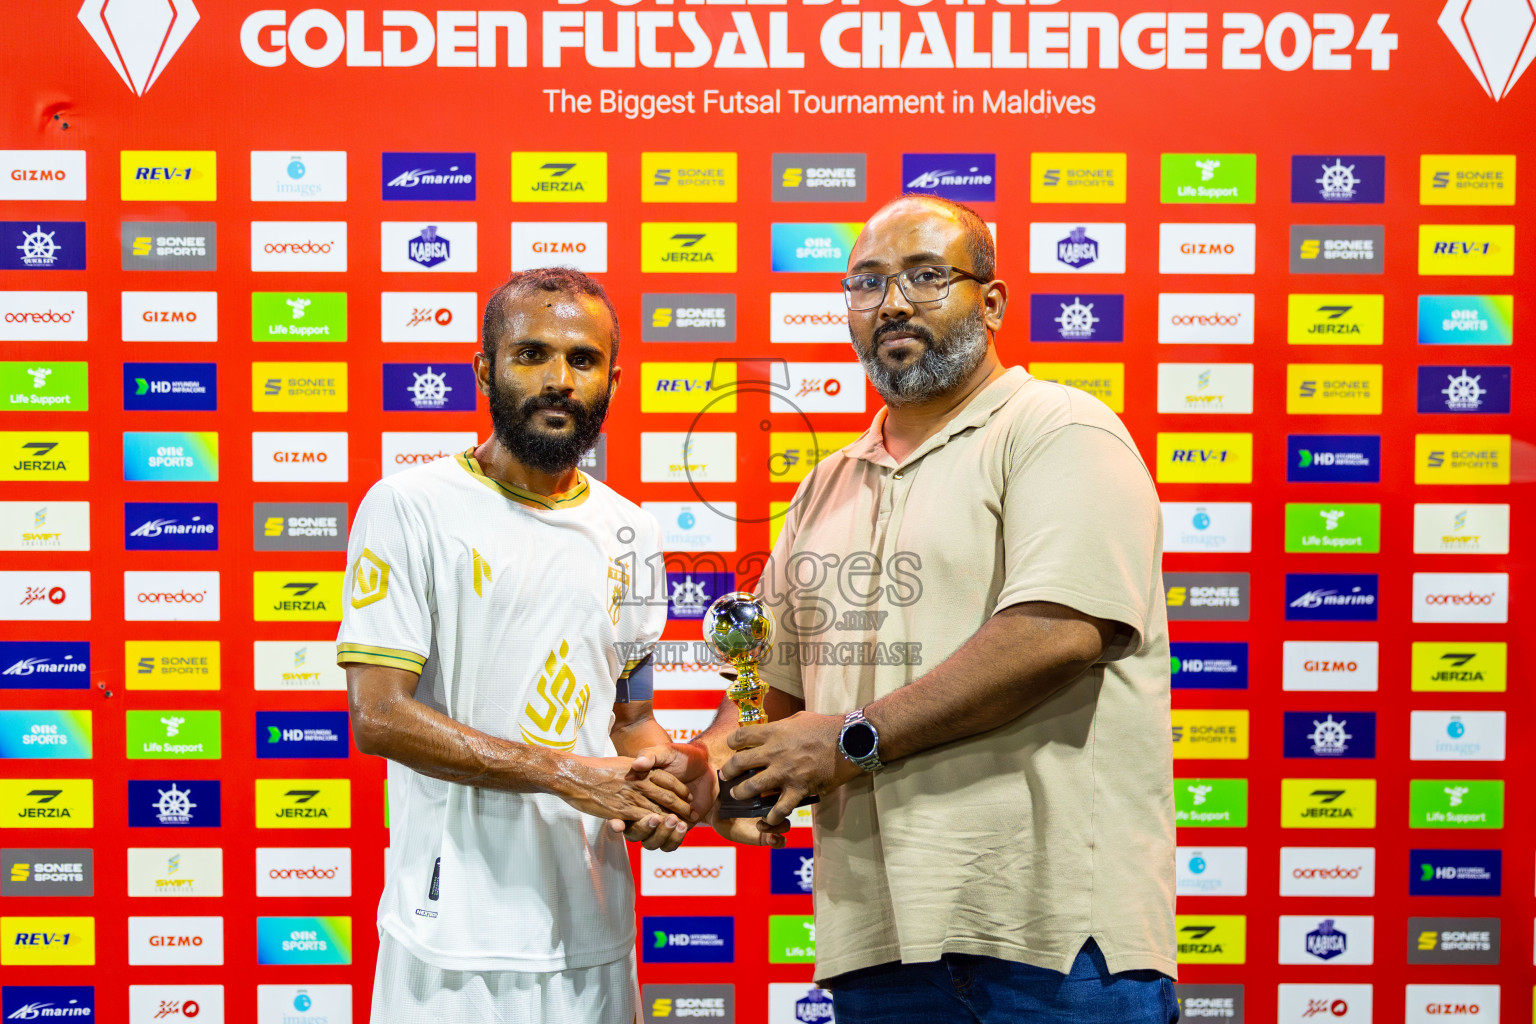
(139, 37)
(1495, 42)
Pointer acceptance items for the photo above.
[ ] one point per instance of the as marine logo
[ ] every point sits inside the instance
(370, 580)
(564, 704)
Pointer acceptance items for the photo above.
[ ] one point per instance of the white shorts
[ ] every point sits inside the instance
(408, 991)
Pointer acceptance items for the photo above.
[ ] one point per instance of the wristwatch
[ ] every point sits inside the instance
(859, 741)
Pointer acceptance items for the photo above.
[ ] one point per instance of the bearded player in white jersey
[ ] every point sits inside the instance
(496, 635)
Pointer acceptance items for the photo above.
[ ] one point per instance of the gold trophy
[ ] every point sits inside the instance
(739, 629)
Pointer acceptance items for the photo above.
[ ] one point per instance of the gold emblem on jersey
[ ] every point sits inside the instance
(370, 579)
(565, 706)
(618, 581)
(482, 570)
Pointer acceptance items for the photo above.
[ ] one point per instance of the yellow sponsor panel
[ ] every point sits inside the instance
(1333, 388)
(292, 596)
(559, 177)
(1461, 458)
(1327, 803)
(1212, 938)
(170, 174)
(1466, 179)
(1077, 177)
(303, 803)
(688, 247)
(299, 387)
(47, 942)
(1210, 734)
(1441, 666)
(47, 803)
(1315, 319)
(688, 387)
(1184, 458)
(171, 665)
(687, 177)
(777, 511)
(1104, 381)
(1471, 250)
(793, 454)
(45, 455)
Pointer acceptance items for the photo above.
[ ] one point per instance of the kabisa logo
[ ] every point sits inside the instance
(1466, 320)
(437, 248)
(1330, 735)
(1338, 597)
(48, 1002)
(1077, 317)
(690, 593)
(45, 665)
(1076, 248)
(964, 177)
(1338, 179)
(818, 177)
(1325, 941)
(174, 803)
(688, 940)
(171, 526)
(1209, 666)
(1480, 389)
(1495, 42)
(1333, 458)
(791, 870)
(436, 177)
(167, 387)
(421, 387)
(42, 245)
(138, 37)
(428, 248)
(1455, 872)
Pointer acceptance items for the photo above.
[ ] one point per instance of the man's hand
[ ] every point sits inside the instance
(748, 831)
(607, 788)
(799, 758)
(685, 763)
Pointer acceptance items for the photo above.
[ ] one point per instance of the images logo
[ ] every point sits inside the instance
(179, 735)
(1077, 317)
(169, 175)
(1209, 177)
(171, 665)
(1209, 666)
(1337, 249)
(1335, 319)
(1204, 458)
(1212, 871)
(1206, 248)
(581, 245)
(964, 177)
(1077, 177)
(171, 455)
(299, 316)
(434, 177)
(1479, 250)
(1327, 803)
(1068, 248)
(303, 803)
(1456, 803)
(1211, 803)
(559, 177)
(1333, 388)
(303, 734)
(138, 37)
(688, 317)
(45, 665)
(1335, 527)
(691, 526)
(1212, 938)
(1461, 458)
(687, 177)
(1104, 381)
(171, 245)
(1207, 596)
(287, 176)
(1338, 179)
(1460, 666)
(1333, 458)
(1456, 736)
(688, 940)
(45, 735)
(1466, 319)
(42, 245)
(1455, 872)
(1466, 180)
(1207, 526)
(418, 387)
(811, 248)
(818, 177)
(1496, 48)
(1330, 597)
(1326, 734)
(171, 387)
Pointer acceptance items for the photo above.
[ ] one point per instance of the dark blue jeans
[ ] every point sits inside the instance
(966, 989)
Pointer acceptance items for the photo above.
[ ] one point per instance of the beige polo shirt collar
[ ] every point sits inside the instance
(870, 446)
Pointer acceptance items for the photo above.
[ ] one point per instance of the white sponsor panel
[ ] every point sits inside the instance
(418, 246)
(176, 871)
(689, 669)
(683, 725)
(1105, 243)
(175, 940)
(298, 665)
(1456, 736)
(1460, 529)
(700, 456)
(820, 387)
(581, 245)
(303, 1004)
(1461, 597)
(45, 526)
(171, 596)
(298, 176)
(299, 246)
(689, 871)
(47, 596)
(1212, 871)
(402, 450)
(33, 175)
(302, 456)
(429, 316)
(1321, 1003)
(795, 1002)
(811, 317)
(170, 316)
(1205, 318)
(43, 316)
(695, 526)
(159, 1004)
(1207, 526)
(1327, 871)
(303, 871)
(1205, 387)
(1437, 1004)
(1336, 665)
(1327, 939)
(1206, 248)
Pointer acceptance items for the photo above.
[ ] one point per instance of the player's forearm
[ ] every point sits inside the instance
(776, 705)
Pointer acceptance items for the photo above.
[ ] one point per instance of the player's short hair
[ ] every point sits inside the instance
(978, 238)
(525, 283)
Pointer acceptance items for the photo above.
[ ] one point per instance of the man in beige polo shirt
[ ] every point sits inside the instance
(971, 670)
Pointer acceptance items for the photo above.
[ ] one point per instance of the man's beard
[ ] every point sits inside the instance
(943, 366)
(544, 450)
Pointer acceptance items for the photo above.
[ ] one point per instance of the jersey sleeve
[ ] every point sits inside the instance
(386, 608)
(636, 675)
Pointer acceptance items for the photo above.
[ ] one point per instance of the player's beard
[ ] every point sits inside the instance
(512, 418)
(944, 365)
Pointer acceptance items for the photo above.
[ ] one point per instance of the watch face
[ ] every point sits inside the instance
(859, 740)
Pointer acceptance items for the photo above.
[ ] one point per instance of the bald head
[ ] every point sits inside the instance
(929, 220)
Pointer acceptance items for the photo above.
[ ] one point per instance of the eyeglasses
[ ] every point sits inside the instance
(918, 284)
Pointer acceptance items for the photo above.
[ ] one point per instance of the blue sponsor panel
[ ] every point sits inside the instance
(42, 245)
(963, 177)
(1466, 319)
(1074, 317)
(1463, 388)
(429, 387)
(1330, 734)
(1338, 178)
(688, 940)
(1333, 458)
(433, 177)
(1209, 666)
(171, 526)
(791, 870)
(45, 665)
(48, 1002)
(174, 803)
(689, 594)
(302, 734)
(1455, 872)
(1330, 597)
(170, 387)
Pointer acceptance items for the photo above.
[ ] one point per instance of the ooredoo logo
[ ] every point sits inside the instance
(43, 316)
(1189, 318)
(1327, 871)
(138, 37)
(171, 595)
(404, 450)
(303, 871)
(701, 871)
(279, 246)
(807, 317)
(1460, 597)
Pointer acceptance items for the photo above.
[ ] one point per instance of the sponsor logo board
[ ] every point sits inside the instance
(1340, 666)
(1069, 248)
(687, 316)
(45, 665)
(45, 526)
(429, 316)
(297, 665)
(1466, 320)
(174, 803)
(1205, 318)
(44, 316)
(47, 872)
(1209, 665)
(1460, 529)
(444, 247)
(300, 316)
(1450, 666)
(819, 177)
(171, 665)
(1327, 803)
(1206, 248)
(291, 176)
(1327, 871)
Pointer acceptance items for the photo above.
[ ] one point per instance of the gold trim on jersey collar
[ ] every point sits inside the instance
(533, 499)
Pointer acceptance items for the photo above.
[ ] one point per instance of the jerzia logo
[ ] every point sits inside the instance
(139, 37)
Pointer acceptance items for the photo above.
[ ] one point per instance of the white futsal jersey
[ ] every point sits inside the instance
(518, 611)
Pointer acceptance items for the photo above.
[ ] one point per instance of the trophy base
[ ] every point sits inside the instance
(730, 807)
